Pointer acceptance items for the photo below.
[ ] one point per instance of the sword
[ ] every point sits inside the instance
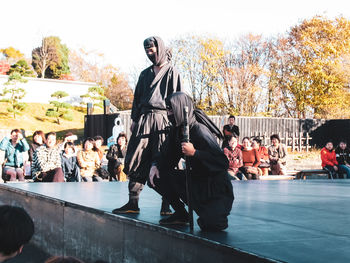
(186, 138)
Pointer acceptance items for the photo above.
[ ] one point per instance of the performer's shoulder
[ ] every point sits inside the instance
(146, 71)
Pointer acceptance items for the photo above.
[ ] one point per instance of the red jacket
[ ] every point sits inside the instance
(263, 153)
(328, 157)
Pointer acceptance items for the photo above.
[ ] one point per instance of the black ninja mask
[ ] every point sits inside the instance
(177, 102)
(149, 43)
(161, 55)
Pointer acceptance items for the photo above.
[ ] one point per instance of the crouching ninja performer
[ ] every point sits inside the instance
(149, 120)
(212, 194)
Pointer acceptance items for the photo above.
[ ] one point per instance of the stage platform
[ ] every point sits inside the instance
(271, 221)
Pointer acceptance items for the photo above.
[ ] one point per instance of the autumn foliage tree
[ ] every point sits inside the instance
(309, 67)
(50, 60)
(119, 92)
(303, 73)
(90, 66)
(223, 78)
(11, 54)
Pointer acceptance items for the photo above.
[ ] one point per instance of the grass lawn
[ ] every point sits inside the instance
(33, 118)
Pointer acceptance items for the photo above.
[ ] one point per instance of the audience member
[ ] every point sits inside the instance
(342, 154)
(14, 148)
(46, 165)
(98, 142)
(69, 162)
(277, 155)
(16, 230)
(234, 155)
(63, 259)
(38, 140)
(329, 160)
(68, 137)
(229, 130)
(251, 160)
(264, 156)
(101, 171)
(115, 156)
(89, 161)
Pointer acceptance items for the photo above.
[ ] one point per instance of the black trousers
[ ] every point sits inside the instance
(333, 174)
(212, 197)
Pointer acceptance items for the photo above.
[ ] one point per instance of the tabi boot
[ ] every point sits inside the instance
(178, 218)
(128, 208)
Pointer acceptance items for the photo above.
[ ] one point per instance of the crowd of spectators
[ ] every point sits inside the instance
(336, 161)
(48, 161)
(67, 162)
(250, 159)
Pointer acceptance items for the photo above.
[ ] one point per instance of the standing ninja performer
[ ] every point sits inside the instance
(212, 193)
(149, 120)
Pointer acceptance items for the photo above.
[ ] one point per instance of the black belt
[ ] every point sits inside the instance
(146, 111)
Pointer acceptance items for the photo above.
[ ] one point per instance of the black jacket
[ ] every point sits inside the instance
(343, 156)
(70, 168)
(209, 159)
(114, 156)
(228, 130)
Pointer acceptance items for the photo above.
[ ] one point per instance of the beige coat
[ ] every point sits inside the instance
(88, 161)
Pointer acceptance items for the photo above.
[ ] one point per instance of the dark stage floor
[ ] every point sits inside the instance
(291, 221)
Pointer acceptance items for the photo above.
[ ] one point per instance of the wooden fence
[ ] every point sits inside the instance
(293, 129)
(294, 141)
(301, 134)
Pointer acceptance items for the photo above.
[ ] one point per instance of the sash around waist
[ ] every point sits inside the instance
(147, 110)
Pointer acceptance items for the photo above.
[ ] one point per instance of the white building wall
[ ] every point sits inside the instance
(40, 90)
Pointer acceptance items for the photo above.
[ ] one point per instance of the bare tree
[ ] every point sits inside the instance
(44, 56)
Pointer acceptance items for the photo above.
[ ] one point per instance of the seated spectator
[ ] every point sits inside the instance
(46, 165)
(14, 148)
(16, 230)
(277, 156)
(251, 160)
(69, 163)
(264, 156)
(68, 137)
(98, 142)
(115, 156)
(89, 162)
(64, 259)
(329, 160)
(38, 140)
(234, 155)
(342, 153)
(101, 171)
(229, 130)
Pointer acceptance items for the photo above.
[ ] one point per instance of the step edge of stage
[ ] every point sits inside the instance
(136, 222)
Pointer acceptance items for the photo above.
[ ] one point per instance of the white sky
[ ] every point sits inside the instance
(118, 28)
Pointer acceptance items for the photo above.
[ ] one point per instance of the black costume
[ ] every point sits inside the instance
(149, 116)
(212, 194)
